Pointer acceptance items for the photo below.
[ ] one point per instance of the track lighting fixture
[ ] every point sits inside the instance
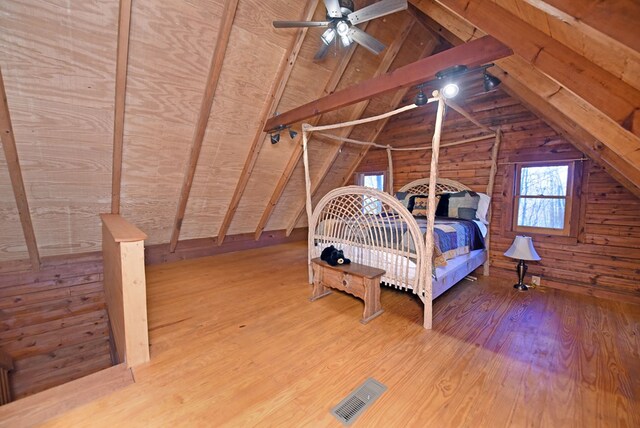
(421, 98)
(490, 82)
(275, 134)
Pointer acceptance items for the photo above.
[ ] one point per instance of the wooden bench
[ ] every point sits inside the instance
(356, 279)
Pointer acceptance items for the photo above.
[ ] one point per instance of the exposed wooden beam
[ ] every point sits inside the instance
(15, 174)
(622, 147)
(375, 132)
(278, 85)
(330, 86)
(615, 19)
(122, 61)
(470, 54)
(574, 72)
(215, 69)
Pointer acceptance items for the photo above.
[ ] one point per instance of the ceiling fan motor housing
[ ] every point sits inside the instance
(346, 7)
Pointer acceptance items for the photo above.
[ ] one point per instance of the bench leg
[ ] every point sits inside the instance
(372, 306)
(319, 291)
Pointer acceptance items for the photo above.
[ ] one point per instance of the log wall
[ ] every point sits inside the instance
(605, 260)
(54, 324)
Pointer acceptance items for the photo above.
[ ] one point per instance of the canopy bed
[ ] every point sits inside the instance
(425, 255)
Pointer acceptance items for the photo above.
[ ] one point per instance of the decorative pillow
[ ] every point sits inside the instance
(464, 199)
(467, 213)
(442, 210)
(483, 207)
(404, 198)
(421, 205)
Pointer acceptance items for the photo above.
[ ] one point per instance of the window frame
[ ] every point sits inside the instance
(568, 198)
(578, 181)
(361, 175)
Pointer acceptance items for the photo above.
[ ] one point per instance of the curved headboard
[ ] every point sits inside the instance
(443, 185)
(372, 228)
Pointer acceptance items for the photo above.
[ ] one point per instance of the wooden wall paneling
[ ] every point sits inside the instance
(475, 53)
(58, 65)
(604, 263)
(215, 69)
(354, 113)
(238, 122)
(125, 288)
(15, 173)
(170, 52)
(273, 99)
(428, 44)
(54, 324)
(122, 60)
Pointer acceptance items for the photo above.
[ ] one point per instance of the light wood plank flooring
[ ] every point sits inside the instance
(235, 342)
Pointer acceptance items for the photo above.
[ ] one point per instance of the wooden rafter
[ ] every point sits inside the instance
(278, 85)
(616, 99)
(471, 54)
(430, 45)
(215, 69)
(603, 135)
(15, 173)
(330, 86)
(122, 60)
(616, 20)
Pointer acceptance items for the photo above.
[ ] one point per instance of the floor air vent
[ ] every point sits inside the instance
(355, 403)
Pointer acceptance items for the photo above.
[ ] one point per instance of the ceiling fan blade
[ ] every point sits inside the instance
(299, 24)
(376, 10)
(322, 52)
(367, 41)
(333, 8)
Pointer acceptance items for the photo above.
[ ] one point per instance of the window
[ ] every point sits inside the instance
(375, 180)
(543, 198)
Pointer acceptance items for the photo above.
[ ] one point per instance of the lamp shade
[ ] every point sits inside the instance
(522, 249)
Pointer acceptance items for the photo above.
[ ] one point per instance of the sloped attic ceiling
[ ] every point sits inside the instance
(59, 62)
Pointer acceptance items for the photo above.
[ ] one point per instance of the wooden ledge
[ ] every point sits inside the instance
(121, 230)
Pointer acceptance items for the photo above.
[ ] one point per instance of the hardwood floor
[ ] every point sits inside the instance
(235, 342)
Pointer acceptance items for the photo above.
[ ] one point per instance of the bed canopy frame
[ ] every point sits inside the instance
(343, 214)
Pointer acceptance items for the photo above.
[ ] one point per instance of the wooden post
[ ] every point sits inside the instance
(307, 182)
(492, 178)
(125, 288)
(431, 215)
(390, 158)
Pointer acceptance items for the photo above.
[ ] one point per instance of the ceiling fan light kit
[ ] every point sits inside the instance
(342, 20)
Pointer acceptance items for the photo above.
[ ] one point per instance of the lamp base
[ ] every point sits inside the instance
(521, 287)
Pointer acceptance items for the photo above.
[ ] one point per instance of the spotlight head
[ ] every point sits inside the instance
(421, 98)
(450, 90)
(275, 138)
(292, 133)
(490, 82)
(328, 36)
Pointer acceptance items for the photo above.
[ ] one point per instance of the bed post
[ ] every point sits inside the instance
(307, 182)
(431, 214)
(492, 178)
(390, 158)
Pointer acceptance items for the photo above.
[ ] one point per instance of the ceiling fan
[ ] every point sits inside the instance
(342, 20)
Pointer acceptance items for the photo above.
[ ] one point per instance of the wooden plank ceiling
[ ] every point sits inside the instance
(156, 109)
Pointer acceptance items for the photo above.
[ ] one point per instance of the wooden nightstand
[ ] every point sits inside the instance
(356, 279)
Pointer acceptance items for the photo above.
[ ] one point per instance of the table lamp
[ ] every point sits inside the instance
(522, 249)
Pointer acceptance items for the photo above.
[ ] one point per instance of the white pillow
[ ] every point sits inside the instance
(483, 207)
